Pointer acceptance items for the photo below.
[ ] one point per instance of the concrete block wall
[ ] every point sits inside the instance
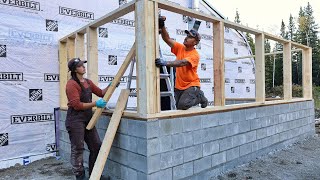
(198, 147)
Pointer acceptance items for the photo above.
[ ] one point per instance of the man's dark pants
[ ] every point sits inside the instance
(188, 97)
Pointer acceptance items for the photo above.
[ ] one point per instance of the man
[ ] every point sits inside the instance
(187, 86)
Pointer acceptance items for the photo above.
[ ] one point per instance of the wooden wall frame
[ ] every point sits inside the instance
(147, 44)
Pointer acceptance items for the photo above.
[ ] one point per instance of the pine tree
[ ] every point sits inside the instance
(291, 29)
(251, 42)
(268, 66)
(237, 17)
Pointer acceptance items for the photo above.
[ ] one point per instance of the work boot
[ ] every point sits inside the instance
(82, 176)
(203, 100)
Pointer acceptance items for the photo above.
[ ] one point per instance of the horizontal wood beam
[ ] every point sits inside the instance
(206, 17)
(123, 10)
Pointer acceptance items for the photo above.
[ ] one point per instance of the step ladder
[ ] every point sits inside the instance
(169, 79)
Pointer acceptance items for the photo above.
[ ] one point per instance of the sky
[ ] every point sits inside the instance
(265, 15)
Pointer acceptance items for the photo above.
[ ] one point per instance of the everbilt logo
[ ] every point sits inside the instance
(205, 80)
(33, 5)
(51, 147)
(30, 36)
(106, 78)
(180, 32)
(228, 41)
(103, 32)
(76, 13)
(31, 118)
(133, 91)
(240, 81)
(240, 43)
(35, 94)
(51, 25)
(11, 76)
(51, 77)
(4, 139)
(112, 60)
(206, 37)
(124, 22)
(3, 50)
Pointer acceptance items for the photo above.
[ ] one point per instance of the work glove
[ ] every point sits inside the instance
(161, 21)
(160, 62)
(116, 85)
(101, 103)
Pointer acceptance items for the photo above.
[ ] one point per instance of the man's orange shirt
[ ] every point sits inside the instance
(186, 76)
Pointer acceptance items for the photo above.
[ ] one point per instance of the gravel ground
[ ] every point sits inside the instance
(297, 162)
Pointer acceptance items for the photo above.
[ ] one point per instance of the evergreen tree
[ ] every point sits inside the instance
(268, 66)
(291, 29)
(237, 18)
(251, 42)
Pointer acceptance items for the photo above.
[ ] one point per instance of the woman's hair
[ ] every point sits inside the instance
(74, 77)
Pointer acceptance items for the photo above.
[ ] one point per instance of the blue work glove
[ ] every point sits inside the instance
(116, 85)
(160, 62)
(101, 103)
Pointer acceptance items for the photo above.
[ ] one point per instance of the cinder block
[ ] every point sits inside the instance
(165, 143)
(233, 128)
(245, 149)
(202, 164)
(261, 112)
(255, 123)
(219, 158)
(188, 139)
(137, 128)
(119, 155)
(170, 126)
(256, 145)
(214, 133)
(233, 153)
(244, 126)
(261, 133)
(239, 139)
(226, 143)
(153, 129)
(171, 158)
(153, 146)
(210, 148)
(198, 136)
(137, 162)
(282, 118)
(238, 115)
(271, 130)
(211, 120)
(225, 118)
(251, 113)
(164, 174)
(141, 147)
(123, 126)
(251, 136)
(183, 171)
(154, 163)
(192, 153)
(178, 141)
(191, 123)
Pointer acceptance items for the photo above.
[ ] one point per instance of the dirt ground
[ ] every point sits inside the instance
(297, 162)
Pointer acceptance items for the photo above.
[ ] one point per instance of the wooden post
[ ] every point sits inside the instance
(218, 63)
(287, 72)
(70, 48)
(260, 68)
(111, 89)
(146, 69)
(63, 69)
(157, 54)
(110, 134)
(307, 73)
(92, 57)
(79, 46)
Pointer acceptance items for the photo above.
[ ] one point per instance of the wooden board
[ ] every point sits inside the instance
(110, 134)
(287, 72)
(111, 89)
(260, 68)
(63, 70)
(218, 60)
(307, 73)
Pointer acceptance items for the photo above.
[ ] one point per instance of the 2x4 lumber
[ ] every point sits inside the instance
(157, 49)
(299, 45)
(111, 89)
(202, 16)
(70, 51)
(275, 38)
(218, 57)
(307, 73)
(123, 10)
(92, 53)
(79, 46)
(252, 56)
(63, 73)
(260, 68)
(109, 136)
(287, 72)
(146, 69)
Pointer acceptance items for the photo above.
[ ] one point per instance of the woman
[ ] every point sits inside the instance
(79, 93)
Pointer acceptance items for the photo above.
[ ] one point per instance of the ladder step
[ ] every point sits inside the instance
(164, 76)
